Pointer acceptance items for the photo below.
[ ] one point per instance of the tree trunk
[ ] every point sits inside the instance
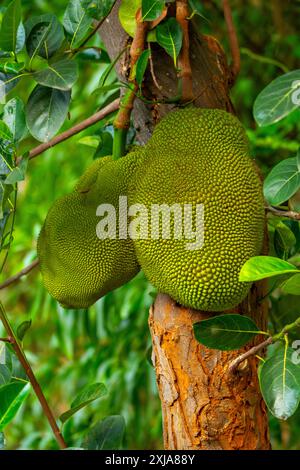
(204, 406)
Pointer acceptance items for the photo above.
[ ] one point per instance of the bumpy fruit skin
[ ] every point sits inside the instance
(201, 156)
(77, 267)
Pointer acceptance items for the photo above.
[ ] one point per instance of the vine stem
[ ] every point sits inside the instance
(185, 73)
(272, 339)
(30, 374)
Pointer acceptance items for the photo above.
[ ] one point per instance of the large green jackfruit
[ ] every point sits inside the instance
(77, 267)
(201, 156)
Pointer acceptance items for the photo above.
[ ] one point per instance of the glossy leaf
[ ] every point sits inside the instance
(169, 36)
(225, 332)
(99, 9)
(46, 111)
(60, 75)
(280, 383)
(152, 9)
(77, 20)
(12, 396)
(106, 435)
(5, 132)
(14, 118)
(127, 17)
(292, 285)
(5, 374)
(18, 173)
(284, 240)
(141, 66)
(260, 267)
(282, 182)
(7, 82)
(87, 396)
(105, 146)
(44, 35)
(9, 26)
(23, 328)
(196, 8)
(278, 99)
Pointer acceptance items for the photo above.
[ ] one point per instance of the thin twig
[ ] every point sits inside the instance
(289, 214)
(158, 86)
(185, 74)
(17, 277)
(6, 340)
(30, 374)
(233, 41)
(251, 352)
(113, 106)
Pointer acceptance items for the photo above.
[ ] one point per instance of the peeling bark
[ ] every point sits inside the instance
(204, 406)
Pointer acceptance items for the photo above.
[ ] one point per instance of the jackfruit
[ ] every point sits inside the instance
(77, 267)
(200, 157)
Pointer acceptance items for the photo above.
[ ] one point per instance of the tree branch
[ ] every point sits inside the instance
(114, 106)
(251, 352)
(233, 41)
(185, 74)
(30, 374)
(289, 214)
(17, 277)
(272, 339)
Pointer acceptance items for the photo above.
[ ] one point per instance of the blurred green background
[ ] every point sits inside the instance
(110, 342)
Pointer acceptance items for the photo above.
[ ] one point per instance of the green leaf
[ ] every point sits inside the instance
(282, 182)
(7, 82)
(284, 240)
(127, 14)
(21, 36)
(5, 374)
(60, 75)
(11, 67)
(9, 26)
(141, 66)
(14, 118)
(90, 141)
(106, 435)
(19, 172)
(23, 328)
(169, 36)
(12, 396)
(280, 383)
(100, 9)
(225, 332)
(278, 99)
(85, 397)
(5, 132)
(260, 267)
(152, 9)
(46, 111)
(105, 146)
(77, 20)
(292, 285)
(44, 35)
(196, 9)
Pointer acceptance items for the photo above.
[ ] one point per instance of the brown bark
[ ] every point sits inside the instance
(204, 406)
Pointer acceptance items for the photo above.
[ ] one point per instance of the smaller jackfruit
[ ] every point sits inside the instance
(77, 267)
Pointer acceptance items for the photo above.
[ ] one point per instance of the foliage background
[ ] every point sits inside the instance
(110, 343)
